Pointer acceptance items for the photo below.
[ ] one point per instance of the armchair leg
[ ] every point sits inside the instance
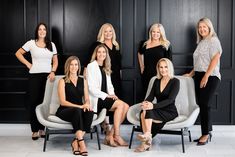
(98, 138)
(189, 136)
(132, 133)
(45, 139)
(182, 139)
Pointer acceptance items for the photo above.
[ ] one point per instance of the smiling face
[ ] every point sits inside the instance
(108, 33)
(73, 67)
(203, 29)
(42, 31)
(155, 33)
(163, 69)
(101, 54)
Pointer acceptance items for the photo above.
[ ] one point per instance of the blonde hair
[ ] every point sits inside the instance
(209, 24)
(163, 40)
(107, 61)
(169, 65)
(67, 67)
(100, 36)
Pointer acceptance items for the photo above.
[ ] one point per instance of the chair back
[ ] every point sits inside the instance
(186, 101)
(55, 103)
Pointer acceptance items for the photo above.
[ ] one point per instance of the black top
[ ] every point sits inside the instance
(167, 96)
(103, 84)
(153, 55)
(74, 94)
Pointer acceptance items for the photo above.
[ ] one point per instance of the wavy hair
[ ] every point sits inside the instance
(107, 61)
(100, 36)
(209, 24)
(67, 67)
(163, 40)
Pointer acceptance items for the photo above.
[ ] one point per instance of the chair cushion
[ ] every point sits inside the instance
(56, 119)
(178, 119)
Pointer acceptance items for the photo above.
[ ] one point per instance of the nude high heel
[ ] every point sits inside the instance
(143, 147)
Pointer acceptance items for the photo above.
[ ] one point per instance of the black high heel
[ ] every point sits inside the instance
(85, 153)
(75, 152)
(210, 137)
(205, 142)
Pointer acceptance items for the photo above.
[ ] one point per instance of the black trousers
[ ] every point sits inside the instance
(36, 89)
(80, 120)
(204, 97)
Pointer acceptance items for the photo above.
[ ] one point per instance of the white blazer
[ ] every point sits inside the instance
(94, 78)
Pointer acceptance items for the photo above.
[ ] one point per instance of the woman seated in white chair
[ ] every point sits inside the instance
(153, 116)
(71, 90)
(101, 93)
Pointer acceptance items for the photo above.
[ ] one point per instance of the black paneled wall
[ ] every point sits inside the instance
(73, 27)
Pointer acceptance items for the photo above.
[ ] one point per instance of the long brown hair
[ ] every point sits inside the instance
(67, 67)
(107, 61)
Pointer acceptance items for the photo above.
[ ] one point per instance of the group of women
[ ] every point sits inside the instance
(81, 97)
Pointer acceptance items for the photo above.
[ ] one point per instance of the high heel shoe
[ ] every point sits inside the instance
(199, 143)
(145, 137)
(84, 153)
(210, 137)
(202, 143)
(42, 133)
(120, 141)
(35, 136)
(110, 142)
(75, 152)
(143, 147)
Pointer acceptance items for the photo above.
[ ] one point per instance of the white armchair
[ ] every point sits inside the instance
(54, 125)
(186, 106)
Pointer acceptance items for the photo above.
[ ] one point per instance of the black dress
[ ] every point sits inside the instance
(151, 57)
(115, 57)
(80, 120)
(164, 110)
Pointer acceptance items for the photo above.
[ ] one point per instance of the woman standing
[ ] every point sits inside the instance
(107, 36)
(151, 51)
(43, 67)
(165, 88)
(206, 72)
(71, 90)
(101, 93)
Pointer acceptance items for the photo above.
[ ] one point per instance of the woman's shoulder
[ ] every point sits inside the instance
(142, 42)
(31, 41)
(175, 80)
(80, 79)
(141, 46)
(93, 63)
(215, 40)
(96, 43)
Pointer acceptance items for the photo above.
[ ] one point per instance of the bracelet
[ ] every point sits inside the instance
(53, 72)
